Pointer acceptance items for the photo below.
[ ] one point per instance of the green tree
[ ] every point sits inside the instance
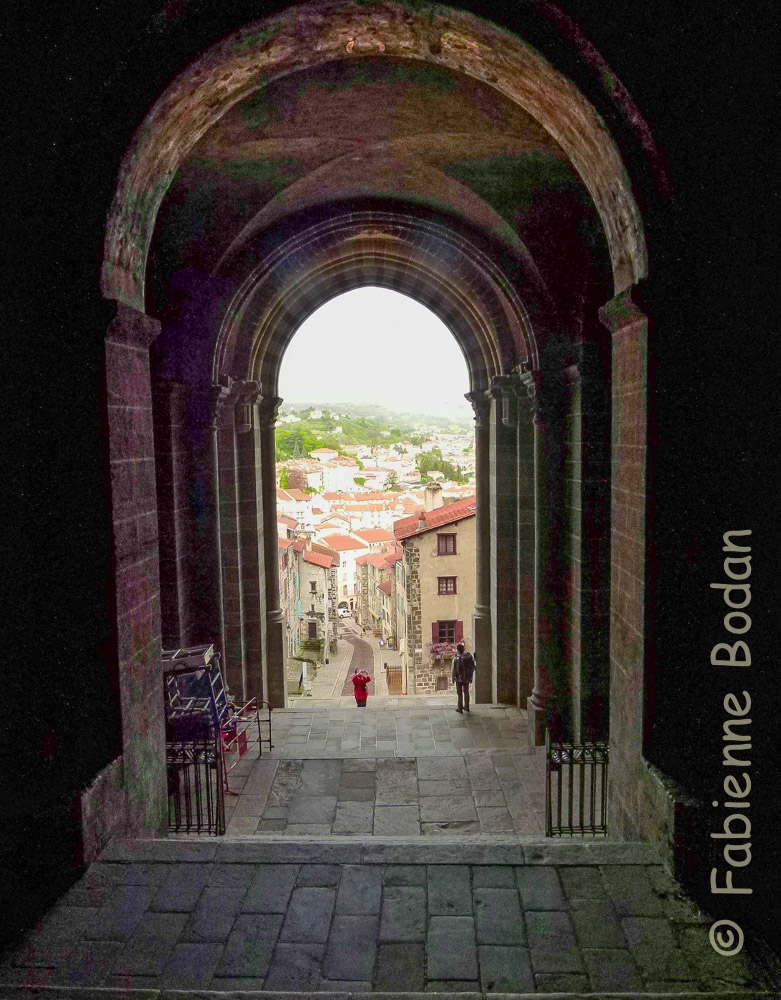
(392, 482)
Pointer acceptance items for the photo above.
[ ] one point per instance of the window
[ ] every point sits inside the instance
(446, 585)
(313, 585)
(446, 545)
(445, 631)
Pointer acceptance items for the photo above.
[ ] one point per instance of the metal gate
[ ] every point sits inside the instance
(575, 788)
(196, 795)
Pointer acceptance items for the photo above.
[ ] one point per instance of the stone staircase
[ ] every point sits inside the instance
(340, 917)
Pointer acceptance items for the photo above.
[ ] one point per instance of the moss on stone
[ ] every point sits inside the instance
(346, 74)
(256, 39)
(274, 173)
(510, 183)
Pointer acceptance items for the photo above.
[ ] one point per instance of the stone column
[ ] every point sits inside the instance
(481, 617)
(250, 537)
(274, 644)
(595, 533)
(229, 496)
(525, 550)
(628, 325)
(219, 396)
(550, 669)
(504, 527)
(573, 541)
(168, 399)
(137, 631)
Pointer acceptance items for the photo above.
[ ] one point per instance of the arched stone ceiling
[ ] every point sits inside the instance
(209, 109)
(372, 128)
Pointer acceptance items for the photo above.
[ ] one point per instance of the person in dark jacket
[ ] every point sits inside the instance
(463, 672)
(360, 684)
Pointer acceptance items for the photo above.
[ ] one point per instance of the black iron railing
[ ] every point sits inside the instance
(575, 788)
(196, 783)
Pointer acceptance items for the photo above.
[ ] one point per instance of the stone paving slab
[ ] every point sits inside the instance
(339, 922)
(445, 792)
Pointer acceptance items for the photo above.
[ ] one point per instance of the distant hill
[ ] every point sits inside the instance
(461, 416)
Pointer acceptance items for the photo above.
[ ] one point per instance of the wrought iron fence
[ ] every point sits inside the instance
(196, 783)
(575, 788)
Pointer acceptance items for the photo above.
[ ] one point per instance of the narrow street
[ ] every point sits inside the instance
(362, 659)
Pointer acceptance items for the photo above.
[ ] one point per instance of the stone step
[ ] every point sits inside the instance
(23, 992)
(465, 850)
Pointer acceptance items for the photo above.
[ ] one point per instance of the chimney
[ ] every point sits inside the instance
(421, 521)
(432, 497)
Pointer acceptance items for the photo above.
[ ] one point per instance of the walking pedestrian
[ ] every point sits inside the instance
(463, 672)
(360, 684)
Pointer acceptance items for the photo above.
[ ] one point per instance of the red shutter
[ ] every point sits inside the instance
(459, 632)
(435, 631)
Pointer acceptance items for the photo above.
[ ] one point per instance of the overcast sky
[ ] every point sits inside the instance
(377, 346)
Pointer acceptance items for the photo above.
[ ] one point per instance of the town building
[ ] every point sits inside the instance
(437, 589)
(348, 549)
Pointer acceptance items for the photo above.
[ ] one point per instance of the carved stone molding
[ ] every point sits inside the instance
(505, 390)
(220, 393)
(268, 410)
(481, 406)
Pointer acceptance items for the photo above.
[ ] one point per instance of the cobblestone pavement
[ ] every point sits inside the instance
(397, 919)
(393, 726)
(480, 792)
(362, 659)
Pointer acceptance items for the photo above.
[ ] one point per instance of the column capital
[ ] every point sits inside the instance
(220, 392)
(505, 389)
(571, 375)
(481, 406)
(132, 327)
(268, 410)
(624, 309)
(246, 394)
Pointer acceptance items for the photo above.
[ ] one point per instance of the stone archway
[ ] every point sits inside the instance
(541, 394)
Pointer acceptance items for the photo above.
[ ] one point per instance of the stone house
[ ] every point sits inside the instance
(438, 559)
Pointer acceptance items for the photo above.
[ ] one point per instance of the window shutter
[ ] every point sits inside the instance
(435, 631)
(459, 632)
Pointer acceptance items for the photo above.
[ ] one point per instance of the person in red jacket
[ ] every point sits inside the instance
(360, 683)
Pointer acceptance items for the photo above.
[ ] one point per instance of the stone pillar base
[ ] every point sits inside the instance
(481, 637)
(275, 659)
(536, 723)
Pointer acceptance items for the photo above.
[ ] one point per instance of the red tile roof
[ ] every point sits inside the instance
(298, 495)
(281, 495)
(291, 522)
(325, 551)
(318, 559)
(342, 543)
(384, 587)
(375, 535)
(448, 514)
(379, 561)
(392, 554)
(284, 543)
(299, 546)
(362, 560)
